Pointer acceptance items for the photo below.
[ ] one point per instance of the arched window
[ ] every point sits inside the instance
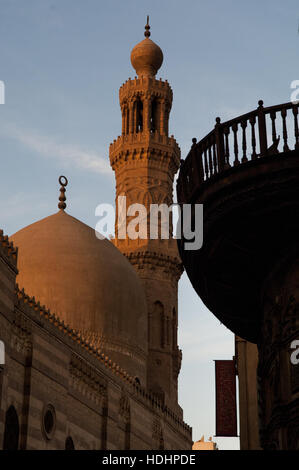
(139, 115)
(11, 430)
(69, 443)
(154, 115)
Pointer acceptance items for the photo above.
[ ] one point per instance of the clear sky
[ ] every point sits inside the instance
(63, 62)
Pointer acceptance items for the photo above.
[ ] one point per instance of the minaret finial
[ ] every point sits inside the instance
(63, 181)
(147, 28)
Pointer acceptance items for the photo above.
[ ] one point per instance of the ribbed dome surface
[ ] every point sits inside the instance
(88, 283)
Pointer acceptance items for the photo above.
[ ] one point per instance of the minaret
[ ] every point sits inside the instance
(145, 160)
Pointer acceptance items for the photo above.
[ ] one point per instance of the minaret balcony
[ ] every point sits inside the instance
(140, 143)
(145, 85)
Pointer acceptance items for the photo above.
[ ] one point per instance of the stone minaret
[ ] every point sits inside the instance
(145, 160)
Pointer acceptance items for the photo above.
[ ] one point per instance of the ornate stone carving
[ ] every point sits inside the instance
(21, 337)
(86, 380)
(124, 408)
(157, 434)
(278, 377)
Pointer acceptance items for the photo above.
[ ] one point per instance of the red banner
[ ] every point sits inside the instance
(226, 404)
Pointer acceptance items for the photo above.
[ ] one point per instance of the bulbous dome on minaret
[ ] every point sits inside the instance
(146, 56)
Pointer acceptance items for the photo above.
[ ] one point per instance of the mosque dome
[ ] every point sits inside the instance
(88, 283)
(146, 56)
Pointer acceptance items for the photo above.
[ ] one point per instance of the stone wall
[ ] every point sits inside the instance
(62, 389)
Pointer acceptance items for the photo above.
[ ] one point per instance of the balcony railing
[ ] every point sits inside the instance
(259, 133)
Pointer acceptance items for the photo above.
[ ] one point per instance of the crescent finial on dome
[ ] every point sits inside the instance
(63, 181)
(147, 27)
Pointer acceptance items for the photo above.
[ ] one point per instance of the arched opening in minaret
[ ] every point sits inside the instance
(139, 115)
(127, 125)
(125, 119)
(154, 117)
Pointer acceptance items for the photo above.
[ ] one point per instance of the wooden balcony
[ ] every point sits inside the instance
(245, 172)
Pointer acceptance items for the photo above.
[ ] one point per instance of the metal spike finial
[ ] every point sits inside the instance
(147, 28)
(63, 181)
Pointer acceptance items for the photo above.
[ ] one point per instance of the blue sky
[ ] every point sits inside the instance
(63, 62)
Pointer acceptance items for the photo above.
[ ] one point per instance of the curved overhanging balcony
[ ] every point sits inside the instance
(245, 173)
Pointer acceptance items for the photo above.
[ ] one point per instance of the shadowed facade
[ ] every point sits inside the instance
(245, 172)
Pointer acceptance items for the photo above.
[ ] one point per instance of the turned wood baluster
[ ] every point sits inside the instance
(219, 141)
(199, 153)
(197, 161)
(236, 148)
(226, 152)
(210, 157)
(252, 121)
(200, 163)
(295, 112)
(262, 128)
(273, 117)
(284, 130)
(244, 145)
(214, 157)
(206, 162)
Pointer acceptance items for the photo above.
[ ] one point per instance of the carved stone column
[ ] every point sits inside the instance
(131, 117)
(146, 114)
(162, 117)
